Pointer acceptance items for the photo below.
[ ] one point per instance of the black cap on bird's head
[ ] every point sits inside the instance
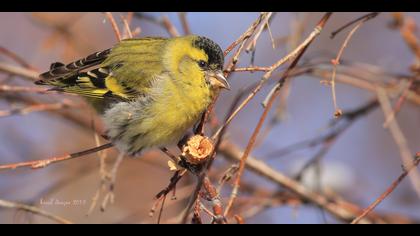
(212, 49)
(214, 65)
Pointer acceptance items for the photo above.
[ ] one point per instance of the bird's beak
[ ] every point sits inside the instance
(217, 79)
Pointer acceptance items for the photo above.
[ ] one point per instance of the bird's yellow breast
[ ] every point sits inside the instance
(176, 109)
(181, 95)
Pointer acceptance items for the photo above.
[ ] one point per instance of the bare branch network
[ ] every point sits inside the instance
(221, 193)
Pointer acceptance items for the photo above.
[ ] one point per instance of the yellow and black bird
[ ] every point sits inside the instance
(150, 91)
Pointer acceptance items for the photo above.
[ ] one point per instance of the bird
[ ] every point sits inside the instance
(149, 91)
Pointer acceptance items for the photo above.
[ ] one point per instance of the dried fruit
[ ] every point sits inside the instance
(197, 149)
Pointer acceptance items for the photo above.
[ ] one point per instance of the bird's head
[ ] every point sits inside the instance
(199, 57)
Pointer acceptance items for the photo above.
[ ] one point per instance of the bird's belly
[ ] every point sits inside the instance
(134, 127)
(170, 125)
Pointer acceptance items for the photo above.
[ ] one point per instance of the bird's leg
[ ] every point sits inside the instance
(105, 136)
(183, 141)
(199, 127)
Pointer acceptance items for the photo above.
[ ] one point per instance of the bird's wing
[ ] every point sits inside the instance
(123, 72)
(59, 70)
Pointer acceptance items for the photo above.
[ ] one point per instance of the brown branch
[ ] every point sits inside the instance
(110, 178)
(9, 88)
(336, 129)
(34, 210)
(360, 82)
(17, 70)
(167, 24)
(37, 107)
(16, 58)
(398, 105)
(232, 152)
(196, 219)
(245, 35)
(161, 196)
(251, 46)
(200, 127)
(249, 69)
(163, 22)
(127, 31)
(184, 22)
(215, 201)
(407, 26)
(399, 139)
(251, 142)
(389, 190)
(362, 18)
(269, 73)
(114, 26)
(202, 178)
(45, 162)
(335, 62)
(67, 114)
(242, 40)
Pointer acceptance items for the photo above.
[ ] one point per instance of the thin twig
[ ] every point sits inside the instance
(251, 141)
(249, 69)
(251, 46)
(335, 62)
(18, 70)
(161, 196)
(245, 35)
(169, 26)
(406, 85)
(389, 190)
(174, 158)
(407, 26)
(34, 210)
(362, 18)
(163, 22)
(45, 162)
(232, 152)
(114, 26)
(161, 209)
(102, 155)
(336, 129)
(184, 22)
(268, 74)
(215, 201)
(111, 178)
(241, 40)
(127, 31)
(201, 179)
(16, 58)
(362, 83)
(9, 88)
(399, 139)
(36, 108)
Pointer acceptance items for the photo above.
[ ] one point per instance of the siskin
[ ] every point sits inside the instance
(150, 91)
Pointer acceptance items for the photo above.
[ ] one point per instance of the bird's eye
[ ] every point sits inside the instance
(202, 63)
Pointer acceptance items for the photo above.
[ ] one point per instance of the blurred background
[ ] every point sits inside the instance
(359, 166)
